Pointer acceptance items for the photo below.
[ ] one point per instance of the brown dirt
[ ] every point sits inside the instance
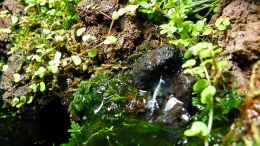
(244, 36)
(242, 40)
(97, 11)
(129, 30)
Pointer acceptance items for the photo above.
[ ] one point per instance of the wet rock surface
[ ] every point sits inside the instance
(159, 72)
(163, 62)
(174, 113)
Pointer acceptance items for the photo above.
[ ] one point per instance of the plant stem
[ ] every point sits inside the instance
(210, 123)
(211, 114)
(207, 75)
(206, 142)
(111, 25)
(211, 110)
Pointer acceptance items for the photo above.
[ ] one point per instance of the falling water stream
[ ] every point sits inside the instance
(152, 104)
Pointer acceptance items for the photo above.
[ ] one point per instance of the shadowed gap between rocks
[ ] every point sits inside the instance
(39, 125)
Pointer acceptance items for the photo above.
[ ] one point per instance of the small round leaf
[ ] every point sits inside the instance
(110, 40)
(200, 85)
(17, 77)
(115, 15)
(80, 31)
(42, 86)
(76, 60)
(189, 63)
(197, 128)
(188, 54)
(92, 53)
(15, 101)
(207, 94)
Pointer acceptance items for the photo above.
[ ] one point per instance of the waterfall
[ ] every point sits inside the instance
(152, 104)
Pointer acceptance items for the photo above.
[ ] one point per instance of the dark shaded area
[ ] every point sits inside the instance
(243, 60)
(134, 132)
(39, 125)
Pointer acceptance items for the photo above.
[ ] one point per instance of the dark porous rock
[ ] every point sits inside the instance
(182, 88)
(159, 72)
(178, 106)
(164, 62)
(174, 114)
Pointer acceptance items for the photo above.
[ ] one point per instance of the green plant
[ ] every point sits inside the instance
(174, 14)
(97, 89)
(42, 35)
(222, 23)
(201, 57)
(99, 103)
(202, 62)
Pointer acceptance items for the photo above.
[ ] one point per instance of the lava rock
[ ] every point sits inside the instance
(164, 62)
(174, 113)
(174, 101)
(181, 88)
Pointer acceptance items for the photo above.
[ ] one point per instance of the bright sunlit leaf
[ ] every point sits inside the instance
(76, 59)
(42, 86)
(17, 77)
(207, 94)
(110, 40)
(189, 63)
(200, 85)
(198, 128)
